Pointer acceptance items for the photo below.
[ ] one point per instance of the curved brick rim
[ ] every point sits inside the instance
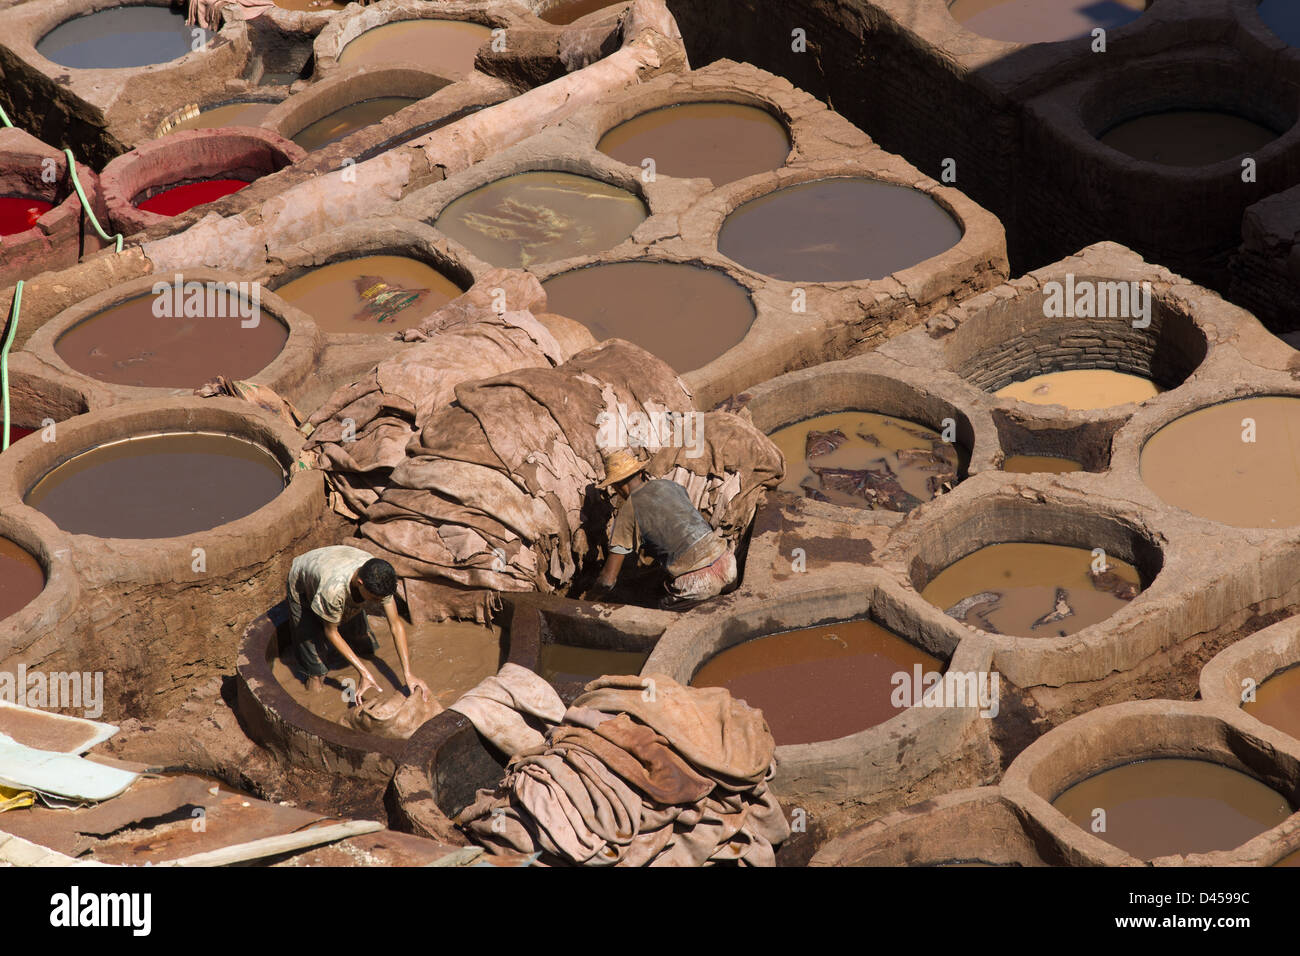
(1257, 658)
(865, 767)
(52, 617)
(977, 825)
(56, 240)
(615, 9)
(244, 152)
(39, 362)
(190, 110)
(1140, 730)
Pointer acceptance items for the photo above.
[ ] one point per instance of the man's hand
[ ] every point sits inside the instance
(597, 591)
(367, 683)
(413, 684)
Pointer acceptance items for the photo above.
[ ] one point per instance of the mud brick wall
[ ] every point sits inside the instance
(1266, 269)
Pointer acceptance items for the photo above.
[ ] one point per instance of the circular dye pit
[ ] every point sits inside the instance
(158, 486)
(565, 664)
(1032, 590)
(1081, 389)
(346, 121)
(445, 47)
(564, 12)
(865, 460)
(370, 294)
(837, 230)
(1187, 137)
(19, 213)
(173, 341)
(1277, 702)
(1174, 806)
(249, 113)
(1030, 464)
(1283, 18)
(1043, 21)
(118, 37)
(721, 142)
(1237, 463)
(451, 657)
(175, 200)
(21, 578)
(819, 683)
(532, 218)
(686, 315)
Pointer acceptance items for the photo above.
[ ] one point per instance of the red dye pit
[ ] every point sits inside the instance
(178, 199)
(18, 213)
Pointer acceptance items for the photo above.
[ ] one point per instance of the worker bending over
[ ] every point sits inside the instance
(328, 591)
(657, 517)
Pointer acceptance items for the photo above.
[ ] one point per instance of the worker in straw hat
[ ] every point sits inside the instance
(656, 517)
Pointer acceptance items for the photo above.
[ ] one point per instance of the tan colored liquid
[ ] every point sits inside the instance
(564, 664)
(1167, 806)
(721, 142)
(532, 218)
(1277, 702)
(1042, 21)
(451, 657)
(232, 114)
(1291, 859)
(1028, 464)
(686, 315)
(1025, 577)
(311, 6)
(1201, 464)
(445, 47)
(346, 121)
(818, 683)
(1081, 388)
(564, 12)
(370, 294)
(21, 578)
(873, 441)
(1187, 137)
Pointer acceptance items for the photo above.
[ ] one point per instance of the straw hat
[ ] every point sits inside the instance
(620, 464)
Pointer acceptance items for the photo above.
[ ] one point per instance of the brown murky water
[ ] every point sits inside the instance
(370, 294)
(565, 12)
(451, 657)
(1277, 702)
(1043, 21)
(127, 344)
(1081, 388)
(565, 664)
(311, 6)
(1187, 137)
(346, 121)
(445, 47)
(158, 486)
(1201, 463)
(231, 114)
(1291, 859)
(865, 460)
(1032, 590)
(837, 230)
(118, 37)
(1172, 805)
(537, 217)
(21, 578)
(818, 683)
(684, 314)
(721, 142)
(1028, 464)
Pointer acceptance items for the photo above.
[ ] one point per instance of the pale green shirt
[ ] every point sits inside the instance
(320, 579)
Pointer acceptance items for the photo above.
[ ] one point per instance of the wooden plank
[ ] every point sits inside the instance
(271, 846)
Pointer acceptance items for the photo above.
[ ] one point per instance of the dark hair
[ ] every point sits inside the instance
(378, 577)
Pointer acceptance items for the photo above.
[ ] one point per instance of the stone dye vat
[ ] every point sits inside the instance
(158, 486)
(564, 12)
(537, 217)
(118, 37)
(866, 460)
(445, 47)
(1187, 137)
(1029, 464)
(20, 213)
(837, 230)
(241, 113)
(347, 120)
(1277, 702)
(1081, 388)
(1237, 462)
(1043, 21)
(819, 683)
(1283, 18)
(166, 340)
(21, 578)
(687, 315)
(1032, 590)
(451, 657)
(566, 664)
(1169, 806)
(370, 294)
(721, 142)
(175, 200)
